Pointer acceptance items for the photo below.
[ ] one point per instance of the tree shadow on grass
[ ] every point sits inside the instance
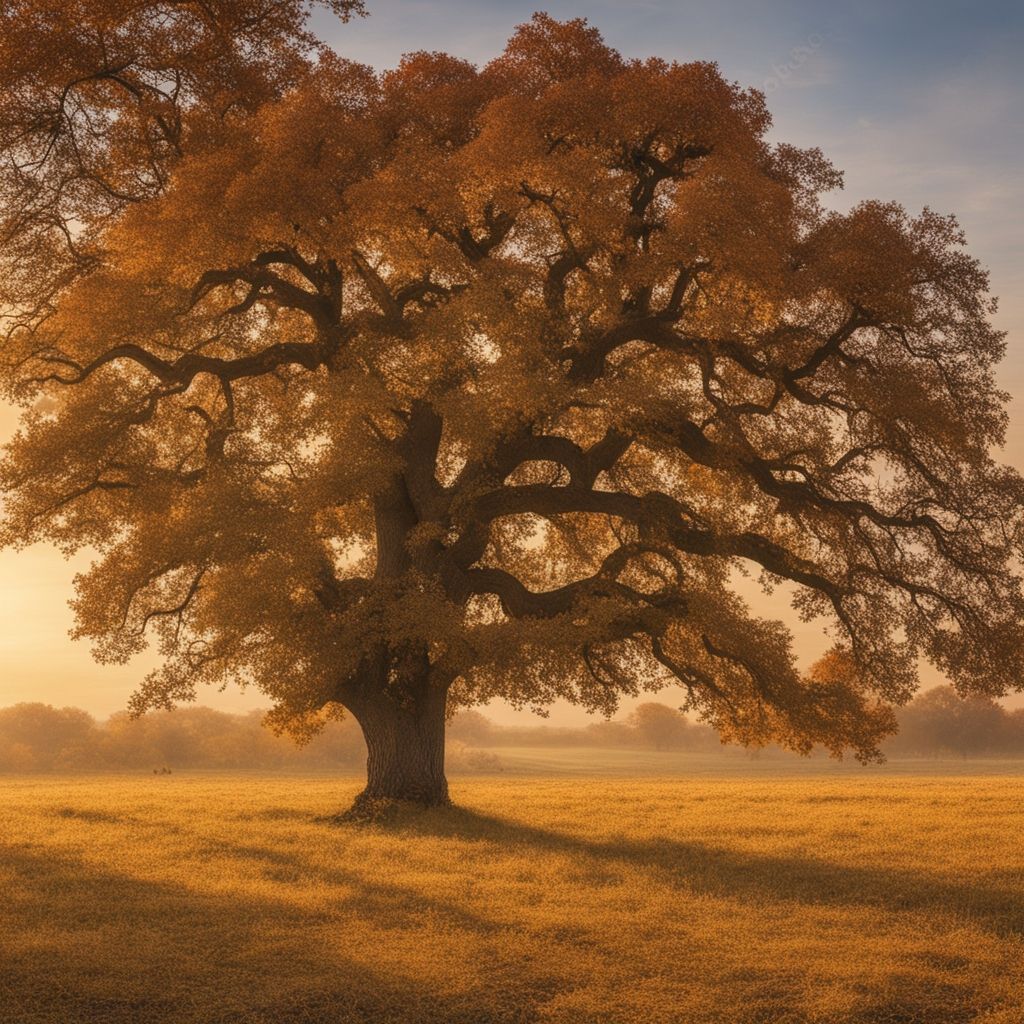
(724, 872)
(106, 948)
(82, 945)
(373, 901)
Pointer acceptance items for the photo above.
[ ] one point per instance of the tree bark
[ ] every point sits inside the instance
(397, 700)
(404, 735)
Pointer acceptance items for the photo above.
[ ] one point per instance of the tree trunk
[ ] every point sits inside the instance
(396, 698)
(405, 749)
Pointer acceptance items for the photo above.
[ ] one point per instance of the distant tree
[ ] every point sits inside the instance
(1013, 732)
(17, 757)
(123, 743)
(659, 726)
(611, 734)
(981, 726)
(941, 721)
(41, 736)
(338, 743)
(204, 738)
(399, 393)
(471, 727)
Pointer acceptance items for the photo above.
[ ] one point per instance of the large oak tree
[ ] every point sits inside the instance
(401, 392)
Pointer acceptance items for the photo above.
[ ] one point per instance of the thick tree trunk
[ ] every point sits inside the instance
(405, 749)
(396, 698)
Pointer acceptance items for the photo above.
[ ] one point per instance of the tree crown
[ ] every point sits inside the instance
(495, 376)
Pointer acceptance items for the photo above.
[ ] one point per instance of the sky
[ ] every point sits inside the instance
(918, 103)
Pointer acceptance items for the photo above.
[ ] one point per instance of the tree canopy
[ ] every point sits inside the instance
(414, 389)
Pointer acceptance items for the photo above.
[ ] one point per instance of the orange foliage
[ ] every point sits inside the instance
(418, 389)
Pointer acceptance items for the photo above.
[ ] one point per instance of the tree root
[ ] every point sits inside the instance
(377, 810)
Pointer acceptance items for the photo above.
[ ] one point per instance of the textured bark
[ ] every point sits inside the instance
(405, 747)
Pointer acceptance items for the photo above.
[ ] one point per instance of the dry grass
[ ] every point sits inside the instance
(202, 899)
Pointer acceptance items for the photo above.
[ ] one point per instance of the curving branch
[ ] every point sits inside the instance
(183, 370)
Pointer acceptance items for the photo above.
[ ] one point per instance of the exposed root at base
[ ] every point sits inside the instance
(369, 810)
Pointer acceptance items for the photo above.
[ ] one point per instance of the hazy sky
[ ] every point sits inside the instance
(921, 103)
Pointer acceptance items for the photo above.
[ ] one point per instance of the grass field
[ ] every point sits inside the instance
(843, 897)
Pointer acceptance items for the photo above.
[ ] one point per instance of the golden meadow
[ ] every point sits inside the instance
(746, 893)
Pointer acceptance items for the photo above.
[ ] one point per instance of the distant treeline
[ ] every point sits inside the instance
(936, 723)
(37, 737)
